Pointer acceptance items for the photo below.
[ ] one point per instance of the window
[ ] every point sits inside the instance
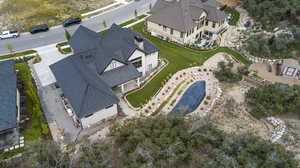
(165, 28)
(206, 23)
(214, 25)
(171, 31)
(181, 34)
(137, 62)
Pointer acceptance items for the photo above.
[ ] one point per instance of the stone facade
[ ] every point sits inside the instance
(203, 30)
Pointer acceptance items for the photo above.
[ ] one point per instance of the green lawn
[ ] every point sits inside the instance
(132, 20)
(17, 54)
(235, 16)
(36, 127)
(179, 58)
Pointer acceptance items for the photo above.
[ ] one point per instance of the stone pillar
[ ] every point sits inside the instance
(138, 82)
(122, 88)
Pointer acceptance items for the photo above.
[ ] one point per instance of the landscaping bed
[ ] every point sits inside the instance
(179, 58)
(37, 126)
(62, 50)
(235, 15)
(132, 20)
(19, 54)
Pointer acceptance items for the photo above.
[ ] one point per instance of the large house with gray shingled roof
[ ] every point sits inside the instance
(102, 68)
(186, 21)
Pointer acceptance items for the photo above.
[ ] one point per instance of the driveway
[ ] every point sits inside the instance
(49, 55)
(56, 114)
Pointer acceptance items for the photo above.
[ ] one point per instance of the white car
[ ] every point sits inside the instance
(9, 34)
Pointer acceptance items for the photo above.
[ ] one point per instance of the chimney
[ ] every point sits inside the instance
(139, 41)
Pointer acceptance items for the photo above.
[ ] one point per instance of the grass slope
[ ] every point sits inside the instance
(179, 58)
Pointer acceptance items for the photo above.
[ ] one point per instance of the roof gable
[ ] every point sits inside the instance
(179, 15)
(84, 90)
(116, 44)
(84, 39)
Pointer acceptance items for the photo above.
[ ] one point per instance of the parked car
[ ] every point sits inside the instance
(9, 34)
(39, 28)
(71, 21)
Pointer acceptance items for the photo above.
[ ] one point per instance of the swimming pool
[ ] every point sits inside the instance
(190, 100)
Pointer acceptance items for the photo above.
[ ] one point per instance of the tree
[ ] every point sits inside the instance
(273, 47)
(135, 13)
(271, 12)
(273, 99)
(10, 48)
(104, 24)
(225, 74)
(39, 154)
(67, 34)
(96, 154)
(47, 154)
(168, 141)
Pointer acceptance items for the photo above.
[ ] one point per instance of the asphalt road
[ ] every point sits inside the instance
(56, 34)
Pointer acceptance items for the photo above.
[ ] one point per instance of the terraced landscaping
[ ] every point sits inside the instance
(179, 58)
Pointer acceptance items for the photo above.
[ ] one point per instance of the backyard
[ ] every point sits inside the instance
(179, 58)
(36, 127)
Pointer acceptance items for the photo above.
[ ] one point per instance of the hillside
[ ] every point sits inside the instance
(21, 14)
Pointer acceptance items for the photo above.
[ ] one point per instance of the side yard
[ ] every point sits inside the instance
(179, 58)
(36, 127)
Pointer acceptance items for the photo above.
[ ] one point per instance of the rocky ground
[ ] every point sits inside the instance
(230, 113)
(291, 138)
(20, 14)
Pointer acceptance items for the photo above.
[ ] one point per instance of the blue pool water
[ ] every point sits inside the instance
(191, 99)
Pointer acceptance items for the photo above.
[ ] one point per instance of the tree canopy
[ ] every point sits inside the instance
(225, 74)
(271, 12)
(167, 141)
(273, 99)
(275, 47)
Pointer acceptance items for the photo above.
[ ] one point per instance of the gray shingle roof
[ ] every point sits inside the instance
(120, 75)
(85, 91)
(82, 76)
(179, 14)
(8, 94)
(98, 51)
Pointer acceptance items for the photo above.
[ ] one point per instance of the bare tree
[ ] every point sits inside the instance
(10, 48)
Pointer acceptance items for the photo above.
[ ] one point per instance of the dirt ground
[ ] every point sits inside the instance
(230, 113)
(21, 14)
(291, 139)
(262, 71)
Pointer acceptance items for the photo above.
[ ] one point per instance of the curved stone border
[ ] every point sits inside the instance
(160, 103)
(145, 83)
(261, 60)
